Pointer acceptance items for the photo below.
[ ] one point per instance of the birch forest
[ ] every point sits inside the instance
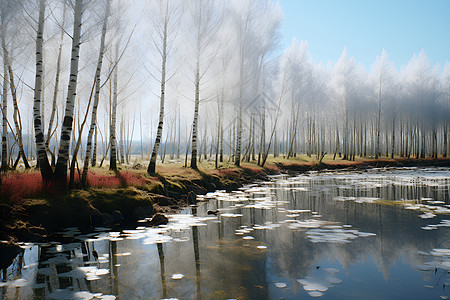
(114, 83)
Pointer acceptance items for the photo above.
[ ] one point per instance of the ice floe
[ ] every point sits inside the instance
(337, 235)
(439, 259)
(443, 223)
(320, 281)
(280, 285)
(177, 276)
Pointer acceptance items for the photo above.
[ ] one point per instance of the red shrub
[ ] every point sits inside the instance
(114, 181)
(99, 180)
(17, 186)
(252, 169)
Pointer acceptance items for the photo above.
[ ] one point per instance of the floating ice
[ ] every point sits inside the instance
(306, 224)
(338, 235)
(443, 223)
(442, 210)
(342, 198)
(21, 282)
(267, 226)
(157, 239)
(181, 239)
(299, 189)
(116, 239)
(333, 226)
(177, 276)
(318, 283)
(440, 252)
(261, 247)
(413, 206)
(85, 295)
(429, 227)
(231, 215)
(280, 284)
(435, 202)
(93, 272)
(440, 260)
(366, 200)
(313, 285)
(298, 211)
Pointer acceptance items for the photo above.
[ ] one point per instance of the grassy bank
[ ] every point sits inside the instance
(30, 210)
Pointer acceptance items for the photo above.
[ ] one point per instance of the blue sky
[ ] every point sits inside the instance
(365, 27)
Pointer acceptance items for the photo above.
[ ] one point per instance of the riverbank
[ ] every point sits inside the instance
(32, 212)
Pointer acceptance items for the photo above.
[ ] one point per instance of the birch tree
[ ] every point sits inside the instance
(44, 165)
(50, 129)
(165, 25)
(96, 94)
(6, 18)
(113, 109)
(343, 81)
(4, 165)
(383, 70)
(17, 117)
(206, 22)
(66, 130)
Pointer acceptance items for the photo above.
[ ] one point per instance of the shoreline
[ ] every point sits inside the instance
(37, 220)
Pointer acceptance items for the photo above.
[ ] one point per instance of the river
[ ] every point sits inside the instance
(371, 234)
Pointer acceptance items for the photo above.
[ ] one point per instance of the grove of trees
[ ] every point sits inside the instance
(84, 82)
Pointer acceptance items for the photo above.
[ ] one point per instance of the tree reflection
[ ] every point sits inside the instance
(162, 268)
(114, 269)
(196, 256)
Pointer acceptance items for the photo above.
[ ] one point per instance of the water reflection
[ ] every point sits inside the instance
(196, 256)
(163, 270)
(341, 235)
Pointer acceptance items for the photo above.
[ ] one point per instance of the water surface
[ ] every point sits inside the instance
(375, 234)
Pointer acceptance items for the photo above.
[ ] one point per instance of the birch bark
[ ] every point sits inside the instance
(63, 154)
(152, 165)
(96, 95)
(44, 165)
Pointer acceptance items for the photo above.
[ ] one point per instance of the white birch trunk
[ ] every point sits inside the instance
(56, 89)
(63, 155)
(44, 165)
(113, 155)
(377, 142)
(17, 118)
(152, 165)
(195, 122)
(4, 120)
(96, 95)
